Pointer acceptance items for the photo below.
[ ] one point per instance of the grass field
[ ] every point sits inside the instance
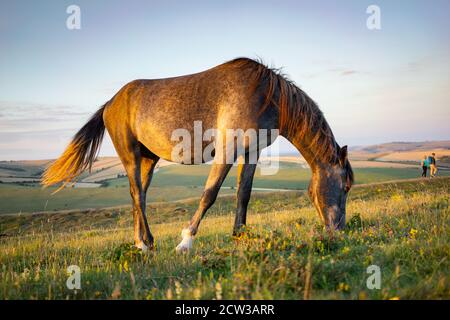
(403, 228)
(170, 183)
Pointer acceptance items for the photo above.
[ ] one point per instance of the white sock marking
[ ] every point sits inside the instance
(142, 246)
(186, 243)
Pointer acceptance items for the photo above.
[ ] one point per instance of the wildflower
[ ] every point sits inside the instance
(218, 291)
(343, 287)
(152, 294)
(169, 294)
(362, 295)
(412, 233)
(197, 293)
(394, 298)
(178, 289)
(25, 274)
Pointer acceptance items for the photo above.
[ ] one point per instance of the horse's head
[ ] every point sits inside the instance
(329, 187)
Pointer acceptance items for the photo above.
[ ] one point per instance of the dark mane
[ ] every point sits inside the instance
(349, 172)
(299, 115)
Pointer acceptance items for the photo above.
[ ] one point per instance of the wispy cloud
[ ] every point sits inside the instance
(335, 71)
(25, 110)
(29, 130)
(348, 72)
(27, 117)
(343, 71)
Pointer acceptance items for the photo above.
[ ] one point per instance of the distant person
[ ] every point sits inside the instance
(432, 162)
(424, 165)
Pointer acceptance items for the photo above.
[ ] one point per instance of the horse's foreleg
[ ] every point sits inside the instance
(245, 176)
(216, 177)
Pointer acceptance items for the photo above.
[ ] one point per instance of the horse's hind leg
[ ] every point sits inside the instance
(139, 167)
(245, 176)
(216, 177)
(142, 235)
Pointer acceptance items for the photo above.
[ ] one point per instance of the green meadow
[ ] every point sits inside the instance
(170, 183)
(285, 253)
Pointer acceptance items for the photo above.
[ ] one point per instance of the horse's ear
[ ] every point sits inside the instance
(343, 154)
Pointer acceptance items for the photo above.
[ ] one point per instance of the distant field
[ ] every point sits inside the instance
(404, 228)
(170, 183)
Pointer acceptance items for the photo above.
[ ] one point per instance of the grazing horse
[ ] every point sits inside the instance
(240, 94)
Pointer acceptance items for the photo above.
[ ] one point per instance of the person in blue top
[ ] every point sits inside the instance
(425, 164)
(433, 168)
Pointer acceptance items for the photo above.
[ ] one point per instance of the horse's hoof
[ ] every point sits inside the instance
(182, 249)
(185, 244)
(238, 232)
(143, 247)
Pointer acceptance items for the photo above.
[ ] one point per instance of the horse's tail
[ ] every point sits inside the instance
(79, 154)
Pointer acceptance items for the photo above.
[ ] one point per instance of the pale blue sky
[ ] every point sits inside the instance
(373, 86)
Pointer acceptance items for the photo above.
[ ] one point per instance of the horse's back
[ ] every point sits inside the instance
(153, 109)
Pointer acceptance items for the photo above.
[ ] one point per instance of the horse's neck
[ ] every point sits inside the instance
(308, 150)
(304, 125)
(307, 153)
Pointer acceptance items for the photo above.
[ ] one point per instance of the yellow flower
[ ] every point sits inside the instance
(397, 197)
(413, 232)
(178, 289)
(169, 294)
(343, 287)
(394, 298)
(218, 291)
(197, 293)
(362, 295)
